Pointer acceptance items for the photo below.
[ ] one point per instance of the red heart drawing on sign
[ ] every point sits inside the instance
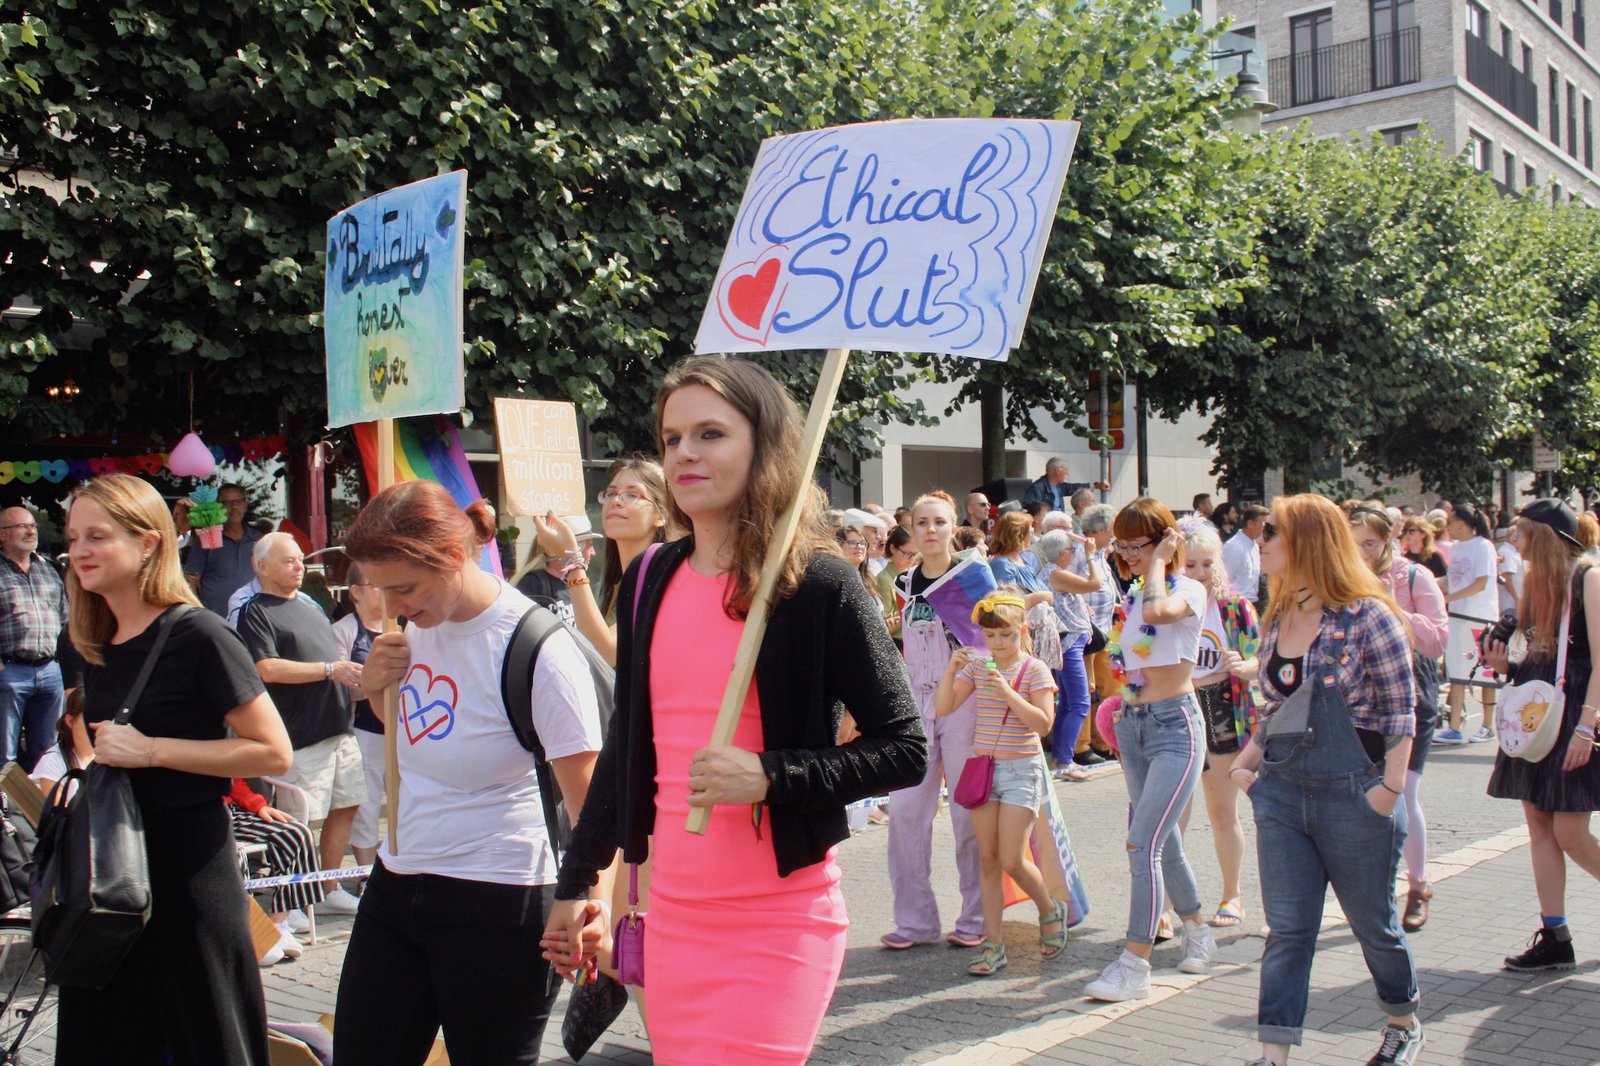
(749, 294)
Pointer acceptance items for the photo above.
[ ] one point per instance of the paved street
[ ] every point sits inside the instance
(919, 1006)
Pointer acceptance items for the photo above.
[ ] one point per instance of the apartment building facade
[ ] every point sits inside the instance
(1512, 84)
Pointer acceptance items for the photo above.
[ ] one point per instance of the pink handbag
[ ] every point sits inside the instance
(977, 779)
(627, 948)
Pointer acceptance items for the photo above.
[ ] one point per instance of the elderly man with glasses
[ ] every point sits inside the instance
(33, 612)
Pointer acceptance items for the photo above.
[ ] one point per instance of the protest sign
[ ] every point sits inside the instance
(392, 303)
(919, 235)
(540, 457)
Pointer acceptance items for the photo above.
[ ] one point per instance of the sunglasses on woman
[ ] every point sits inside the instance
(1268, 532)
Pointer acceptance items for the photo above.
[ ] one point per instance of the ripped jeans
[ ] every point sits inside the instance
(1162, 746)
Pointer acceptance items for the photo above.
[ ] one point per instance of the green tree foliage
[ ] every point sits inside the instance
(174, 164)
(1395, 319)
(1148, 240)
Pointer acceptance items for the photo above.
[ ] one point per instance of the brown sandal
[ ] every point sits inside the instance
(1416, 914)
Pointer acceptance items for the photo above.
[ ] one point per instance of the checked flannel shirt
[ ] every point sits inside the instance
(33, 608)
(1374, 672)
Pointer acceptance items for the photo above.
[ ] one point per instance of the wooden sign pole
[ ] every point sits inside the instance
(755, 624)
(389, 702)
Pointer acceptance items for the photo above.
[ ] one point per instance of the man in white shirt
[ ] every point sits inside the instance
(1511, 568)
(1242, 554)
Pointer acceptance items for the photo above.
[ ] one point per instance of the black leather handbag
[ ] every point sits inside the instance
(91, 876)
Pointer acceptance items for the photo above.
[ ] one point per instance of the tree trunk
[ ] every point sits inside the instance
(992, 411)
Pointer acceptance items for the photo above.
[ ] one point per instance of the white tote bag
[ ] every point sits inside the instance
(1528, 716)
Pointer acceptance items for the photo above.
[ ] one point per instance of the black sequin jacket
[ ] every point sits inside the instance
(825, 648)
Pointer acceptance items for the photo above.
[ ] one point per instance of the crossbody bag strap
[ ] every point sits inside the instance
(1007, 717)
(1561, 639)
(163, 625)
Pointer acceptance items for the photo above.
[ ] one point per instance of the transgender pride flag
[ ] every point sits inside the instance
(954, 595)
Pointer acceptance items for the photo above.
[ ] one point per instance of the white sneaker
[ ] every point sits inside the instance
(1484, 733)
(1198, 945)
(338, 901)
(1128, 977)
(273, 956)
(287, 943)
(297, 921)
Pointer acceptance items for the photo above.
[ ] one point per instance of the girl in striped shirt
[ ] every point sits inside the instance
(1015, 707)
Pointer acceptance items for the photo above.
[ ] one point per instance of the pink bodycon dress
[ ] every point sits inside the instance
(740, 963)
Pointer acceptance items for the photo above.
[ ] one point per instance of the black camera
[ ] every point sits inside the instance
(1501, 632)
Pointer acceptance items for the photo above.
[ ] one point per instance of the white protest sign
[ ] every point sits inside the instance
(918, 235)
(540, 458)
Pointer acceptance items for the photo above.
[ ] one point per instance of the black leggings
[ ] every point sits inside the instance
(428, 951)
(191, 983)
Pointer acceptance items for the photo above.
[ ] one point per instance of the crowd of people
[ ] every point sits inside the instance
(1305, 655)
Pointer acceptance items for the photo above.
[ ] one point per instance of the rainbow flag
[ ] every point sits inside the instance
(957, 592)
(427, 449)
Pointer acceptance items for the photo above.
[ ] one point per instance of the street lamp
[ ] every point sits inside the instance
(1250, 102)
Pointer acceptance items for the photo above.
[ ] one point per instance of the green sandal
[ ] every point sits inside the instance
(990, 961)
(1053, 944)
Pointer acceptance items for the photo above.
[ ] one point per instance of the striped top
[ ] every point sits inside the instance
(1006, 738)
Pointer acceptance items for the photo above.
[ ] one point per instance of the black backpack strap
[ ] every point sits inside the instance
(516, 691)
(163, 625)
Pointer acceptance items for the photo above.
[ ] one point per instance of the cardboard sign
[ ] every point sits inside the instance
(392, 303)
(919, 235)
(540, 457)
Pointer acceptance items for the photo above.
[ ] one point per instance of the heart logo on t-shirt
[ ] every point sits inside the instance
(425, 712)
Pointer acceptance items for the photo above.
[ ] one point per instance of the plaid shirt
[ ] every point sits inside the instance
(33, 608)
(1374, 672)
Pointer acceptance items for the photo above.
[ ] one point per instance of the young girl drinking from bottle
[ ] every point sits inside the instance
(1015, 707)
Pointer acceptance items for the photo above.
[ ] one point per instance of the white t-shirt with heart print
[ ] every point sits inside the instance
(469, 795)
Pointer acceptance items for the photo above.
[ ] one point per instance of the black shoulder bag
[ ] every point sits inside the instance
(91, 875)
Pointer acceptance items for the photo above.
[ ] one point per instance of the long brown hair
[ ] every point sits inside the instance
(1322, 557)
(776, 478)
(135, 506)
(1551, 562)
(1424, 528)
(1011, 533)
(648, 471)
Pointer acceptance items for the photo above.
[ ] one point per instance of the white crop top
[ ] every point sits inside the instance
(1173, 643)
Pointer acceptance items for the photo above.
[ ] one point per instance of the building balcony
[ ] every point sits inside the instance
(1347, 69)
(1501, 82)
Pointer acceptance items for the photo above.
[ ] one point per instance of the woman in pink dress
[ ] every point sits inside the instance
(746, 932)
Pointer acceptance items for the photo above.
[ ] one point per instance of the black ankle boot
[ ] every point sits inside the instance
(1548, 949)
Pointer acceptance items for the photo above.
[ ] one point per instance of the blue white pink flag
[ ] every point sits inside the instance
(958, 591)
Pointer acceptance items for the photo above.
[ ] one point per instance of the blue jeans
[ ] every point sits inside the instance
(1310, 834)
(30, 702)
(1162, 745)
(1072, 701)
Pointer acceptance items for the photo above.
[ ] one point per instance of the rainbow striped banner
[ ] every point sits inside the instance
(427, 449)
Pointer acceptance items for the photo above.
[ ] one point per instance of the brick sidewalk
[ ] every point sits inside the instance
(1473, 1011)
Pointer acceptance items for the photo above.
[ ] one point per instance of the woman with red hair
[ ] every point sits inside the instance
(1325, 770)
(448, 930)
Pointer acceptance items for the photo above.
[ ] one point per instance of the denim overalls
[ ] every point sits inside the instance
(1314, 828)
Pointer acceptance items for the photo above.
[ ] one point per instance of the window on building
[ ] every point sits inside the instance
(1527, 61)
(1477, 18)
(1505, 43)
(1555, 11)
(1572, 120)
(1555, 106)
(1555, 193)
(1395, 136)
(1311, 56)
(1394, 43)
(1580, 32)
(1588, 133)
(1480, 152)
(1530, 177)
(1509, 159)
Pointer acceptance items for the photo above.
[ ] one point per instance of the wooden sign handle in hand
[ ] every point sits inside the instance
(389, 701)
(755, 623)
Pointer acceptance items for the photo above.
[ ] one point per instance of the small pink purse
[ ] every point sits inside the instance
(627, 947)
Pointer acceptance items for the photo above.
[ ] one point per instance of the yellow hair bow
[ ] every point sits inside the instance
(989, 603)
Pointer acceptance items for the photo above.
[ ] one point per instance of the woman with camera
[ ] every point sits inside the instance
(1560, 597)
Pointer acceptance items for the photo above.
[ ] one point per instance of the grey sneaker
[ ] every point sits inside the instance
(1198, 946)
(1128, 977)
(1399, 1047)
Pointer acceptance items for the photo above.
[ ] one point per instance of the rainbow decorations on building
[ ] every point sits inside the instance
(427, 449)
